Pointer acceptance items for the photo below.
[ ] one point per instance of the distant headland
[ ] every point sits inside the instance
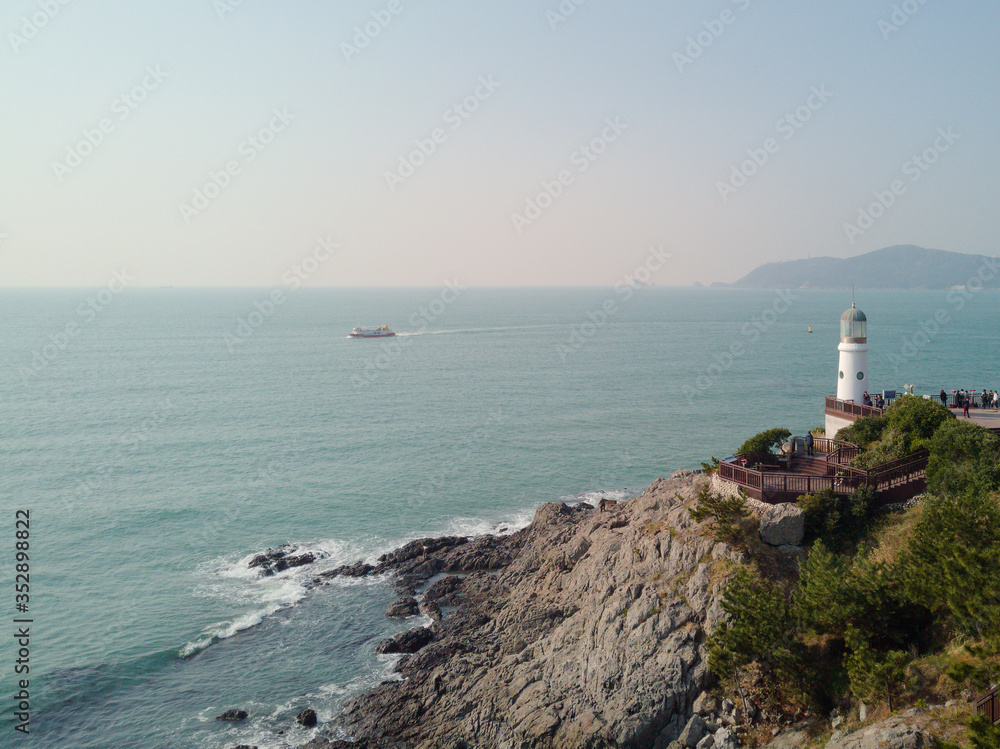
(897, 267)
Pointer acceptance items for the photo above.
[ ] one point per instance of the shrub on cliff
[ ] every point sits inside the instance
(874, 674)
(906, 426)
(952, 560)
(840, 520)
(863, 431)
(729, 515)
(964, 457)
(918, 418)
(766, 442)
(757, 629)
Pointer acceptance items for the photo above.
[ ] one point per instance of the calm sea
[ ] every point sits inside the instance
(160, 438)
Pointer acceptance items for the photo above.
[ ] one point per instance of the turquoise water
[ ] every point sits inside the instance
(163, 443)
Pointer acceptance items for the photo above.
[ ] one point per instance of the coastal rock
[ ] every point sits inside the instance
(705, 704)
(782, 525)
(684, 473)
(585, 629)
(278, 560)
(707, 742)
(307, 718)
(233, 715)
(431, 609)
(406, 642)
(886, 735)
(420, 549)
(403, 608)
(693, 732)
(725, 739)
(358, 569)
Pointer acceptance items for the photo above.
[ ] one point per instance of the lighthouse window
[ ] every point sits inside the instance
(861, 375)
(841, 374)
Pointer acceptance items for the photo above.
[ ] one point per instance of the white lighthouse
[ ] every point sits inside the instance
(852, 382)
(852, 376)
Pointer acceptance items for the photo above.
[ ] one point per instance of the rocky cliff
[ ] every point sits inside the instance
(585, 629)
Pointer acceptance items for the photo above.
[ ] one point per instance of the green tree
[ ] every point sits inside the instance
(952, 558)
(964, 457)
(840, 520)
(729, 514)
(983, 734)
(917, 418)
(864, 431)
(757, 629)
(766, 442)
(826, 601)
(874, 674)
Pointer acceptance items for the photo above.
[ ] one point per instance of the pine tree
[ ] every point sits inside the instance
(757, 628)
(952, 559)
(826, 601)
(873, 674)
(728, 513)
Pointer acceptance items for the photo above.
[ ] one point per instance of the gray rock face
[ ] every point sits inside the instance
(693, 732)
(782, 525)
(707, 742)
(402, 608)
(725, 739)
(888, 734)
(705, 704)
(578, 632)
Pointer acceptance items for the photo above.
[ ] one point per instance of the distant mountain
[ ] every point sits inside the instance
(899, 267)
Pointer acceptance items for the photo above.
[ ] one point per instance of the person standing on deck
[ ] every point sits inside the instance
(809, 443)
(965, 408)
(944, 397)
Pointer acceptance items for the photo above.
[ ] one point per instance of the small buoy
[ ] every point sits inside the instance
(810, 328)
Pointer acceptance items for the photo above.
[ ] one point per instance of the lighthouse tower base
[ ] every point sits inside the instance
(835, 423)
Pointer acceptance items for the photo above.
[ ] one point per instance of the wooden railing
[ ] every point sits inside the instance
(850, 408)
(895, 481)
(989, 705)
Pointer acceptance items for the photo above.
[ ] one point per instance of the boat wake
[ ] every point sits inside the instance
(458, 331)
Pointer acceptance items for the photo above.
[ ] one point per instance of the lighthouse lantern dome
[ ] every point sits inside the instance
(853, 326)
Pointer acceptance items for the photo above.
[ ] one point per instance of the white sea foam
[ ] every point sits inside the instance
(595, 496)
(234, 580)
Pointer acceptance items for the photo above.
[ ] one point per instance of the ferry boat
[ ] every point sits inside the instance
(382, 331)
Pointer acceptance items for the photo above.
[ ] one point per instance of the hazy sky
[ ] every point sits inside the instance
(119, 121)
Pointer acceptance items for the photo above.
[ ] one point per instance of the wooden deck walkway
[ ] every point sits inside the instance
(774, 480)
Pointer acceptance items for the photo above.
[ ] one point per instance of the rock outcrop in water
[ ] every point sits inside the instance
(585, 629)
